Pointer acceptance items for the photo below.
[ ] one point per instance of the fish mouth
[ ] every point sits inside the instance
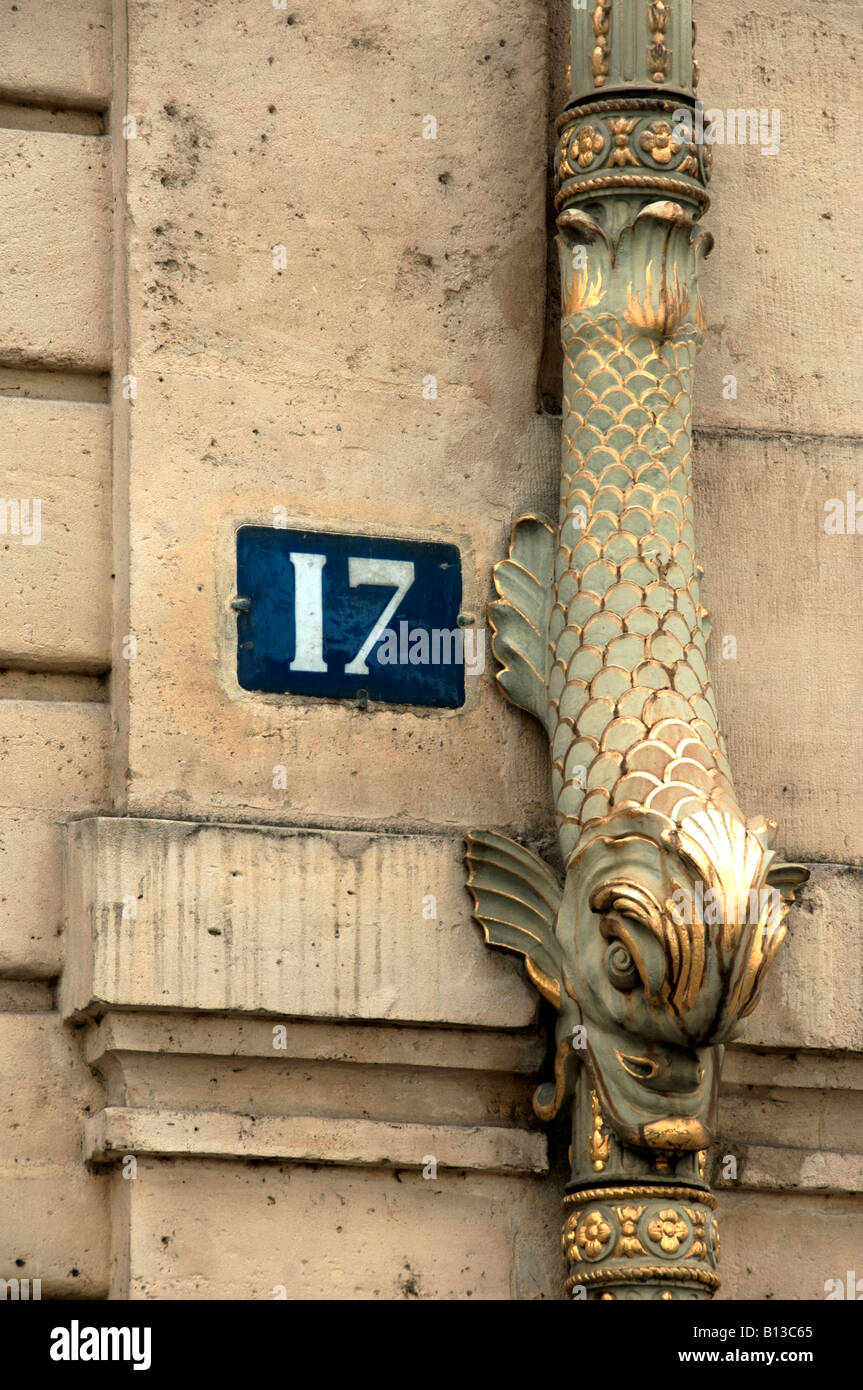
(676, 1132)
(660, 1097)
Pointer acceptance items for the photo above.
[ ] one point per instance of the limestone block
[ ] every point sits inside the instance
(782, 588)
(371, 111)
(790, 1121)
(778, 282)
(54, 767)
(814, 994)
(55, 242)
(198, 744)
(767, 1167)
(236, 1068)
(57, 580)
(273, 1086)
(208, 1229)
(295, 377)
(25, 996)
(784, 1138)
(778, 1246)
(307, 924)
(57, 53)
(749, 1065)
(53, 1213)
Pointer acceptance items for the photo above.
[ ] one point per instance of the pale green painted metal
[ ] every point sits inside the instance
(601, 634)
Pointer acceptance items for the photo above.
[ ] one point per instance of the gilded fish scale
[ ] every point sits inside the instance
(600, 632)
(627, 629)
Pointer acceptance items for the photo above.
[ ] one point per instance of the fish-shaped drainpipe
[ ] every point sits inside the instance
(654, 949)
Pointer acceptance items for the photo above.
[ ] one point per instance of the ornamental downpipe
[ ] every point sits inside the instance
(654, 949)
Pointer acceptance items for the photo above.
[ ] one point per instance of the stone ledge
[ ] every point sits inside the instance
(318, 924)
(366, 1044)
(295, 923)
(767, 1169)
(745, 1064)
(118, 1131)
(162, 1071)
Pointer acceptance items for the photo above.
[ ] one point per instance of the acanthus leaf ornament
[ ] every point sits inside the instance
(673, 904)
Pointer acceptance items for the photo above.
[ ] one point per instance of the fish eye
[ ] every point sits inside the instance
(620, 966)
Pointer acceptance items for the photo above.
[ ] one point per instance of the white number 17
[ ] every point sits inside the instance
(309, 605)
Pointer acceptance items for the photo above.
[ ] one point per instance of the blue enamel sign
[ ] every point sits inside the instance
(350, 617)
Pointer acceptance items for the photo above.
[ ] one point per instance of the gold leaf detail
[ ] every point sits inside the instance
(593, 1233)
(583, 293)
(668, 1230)
(586, 144)
(599, 58)
(599, 1145)
(629, 1244)
(621, 129)
(658, 142)
(672, 309)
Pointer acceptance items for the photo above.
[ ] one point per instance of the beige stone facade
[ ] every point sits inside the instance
(242, 1056)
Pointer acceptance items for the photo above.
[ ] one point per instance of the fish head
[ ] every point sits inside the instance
(666, 931)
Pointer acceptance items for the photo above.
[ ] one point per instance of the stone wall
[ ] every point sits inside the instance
(233, 258)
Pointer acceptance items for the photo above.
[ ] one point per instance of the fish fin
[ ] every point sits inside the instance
(516, 899)
(519, 617)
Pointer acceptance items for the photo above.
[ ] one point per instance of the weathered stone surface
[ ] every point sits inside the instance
(344, 1233)
(58, 53)
(352, 1233)
(116, 1131)
(57, 581)
(54, 759)
(55, 241)
(306, 924)
(215, 1035)
(814, 996)
(770, 1168)
(780, 586)
(53, 1213)
(778, 1246)
(789, 1122)
(176, 1084)
(25, 996)
(299, 382)
(778, 281)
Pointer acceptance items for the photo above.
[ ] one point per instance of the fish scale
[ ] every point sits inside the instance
(627, 641)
